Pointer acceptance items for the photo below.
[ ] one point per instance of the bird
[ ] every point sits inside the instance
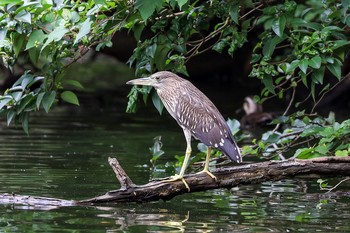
(254, 114)
(196, 115)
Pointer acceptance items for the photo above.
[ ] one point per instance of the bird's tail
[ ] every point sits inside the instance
(231, 149)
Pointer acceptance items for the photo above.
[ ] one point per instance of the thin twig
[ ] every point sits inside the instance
(194, 50)
(331, 189)
(251, 11)
(332, 88)
(198, 43)
(287, 109)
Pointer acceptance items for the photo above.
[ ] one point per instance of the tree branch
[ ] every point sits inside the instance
(227, 177)
(122, 177)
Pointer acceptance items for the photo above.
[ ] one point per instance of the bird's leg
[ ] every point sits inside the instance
(182, 172)
(206, 166)
(185, 162)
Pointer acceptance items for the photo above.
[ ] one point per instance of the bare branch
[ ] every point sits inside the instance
(122, 177)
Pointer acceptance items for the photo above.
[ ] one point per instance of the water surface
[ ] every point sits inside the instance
(65, 156)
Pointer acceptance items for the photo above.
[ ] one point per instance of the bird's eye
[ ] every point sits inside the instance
(157, 78)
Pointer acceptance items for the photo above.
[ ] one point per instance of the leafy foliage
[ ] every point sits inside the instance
(300, 42)
(48, 36)
(295, 44)
(322, 137)
(17, 102)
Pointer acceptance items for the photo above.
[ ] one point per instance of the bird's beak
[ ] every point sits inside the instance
(142, 81)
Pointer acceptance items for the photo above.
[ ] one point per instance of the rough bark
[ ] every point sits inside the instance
(33, 202)
(227, 177)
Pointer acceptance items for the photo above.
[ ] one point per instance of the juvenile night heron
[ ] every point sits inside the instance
(196, 114)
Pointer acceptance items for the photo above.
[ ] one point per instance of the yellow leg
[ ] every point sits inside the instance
(185, 162)
(206, 166)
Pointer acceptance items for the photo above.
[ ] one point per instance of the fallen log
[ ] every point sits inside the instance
(33, 202)
(227, 177)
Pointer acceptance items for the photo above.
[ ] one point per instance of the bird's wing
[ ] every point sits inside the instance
(198, 114)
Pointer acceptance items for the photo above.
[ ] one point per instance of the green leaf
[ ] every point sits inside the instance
(303, 64)
(347, 20)
(234, 125)
(19, 42)
(48, 100)
(24, 16)
(317, 75)
(151, 50)
(341, 153)
(270, 137)
(268, 82)
(234, 13)
(181, 3)
(160, 56)
(303, 79)
(17, 95)
(26, 80)
(35, 38)
(220, 45)
(322, 149)
(25, 120)
(157, 103)
(34, 55)
(132, 96)
(20, 80)
(70, 97)
(345, 4)
(39, 99)
(84, 30)
(36, 79)
(138, 28)
(278, 25)
(3, 33)
(312, 130)
(331, 29)
(101, 2)
(4, 2)
(55, 35)
(255, 58)
(73, 83)
(292, 66)
(24, 103)
(270, 45)
(4, 101)
(147, 7)
(340, 43)
(335, 69)
(303, 153)
(315, 62)
(313, 85)
(75, 17)
(27, 5)
(10, 114)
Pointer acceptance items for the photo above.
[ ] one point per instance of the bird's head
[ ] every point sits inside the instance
(156, 80)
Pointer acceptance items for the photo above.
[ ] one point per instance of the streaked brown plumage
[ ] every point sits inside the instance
(195, 113)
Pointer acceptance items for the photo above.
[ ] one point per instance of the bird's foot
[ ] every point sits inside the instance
(176, 178)
(209, 173)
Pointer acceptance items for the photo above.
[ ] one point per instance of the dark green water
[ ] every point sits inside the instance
(66, 154)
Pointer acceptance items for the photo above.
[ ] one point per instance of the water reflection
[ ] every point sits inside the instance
(65, 156)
